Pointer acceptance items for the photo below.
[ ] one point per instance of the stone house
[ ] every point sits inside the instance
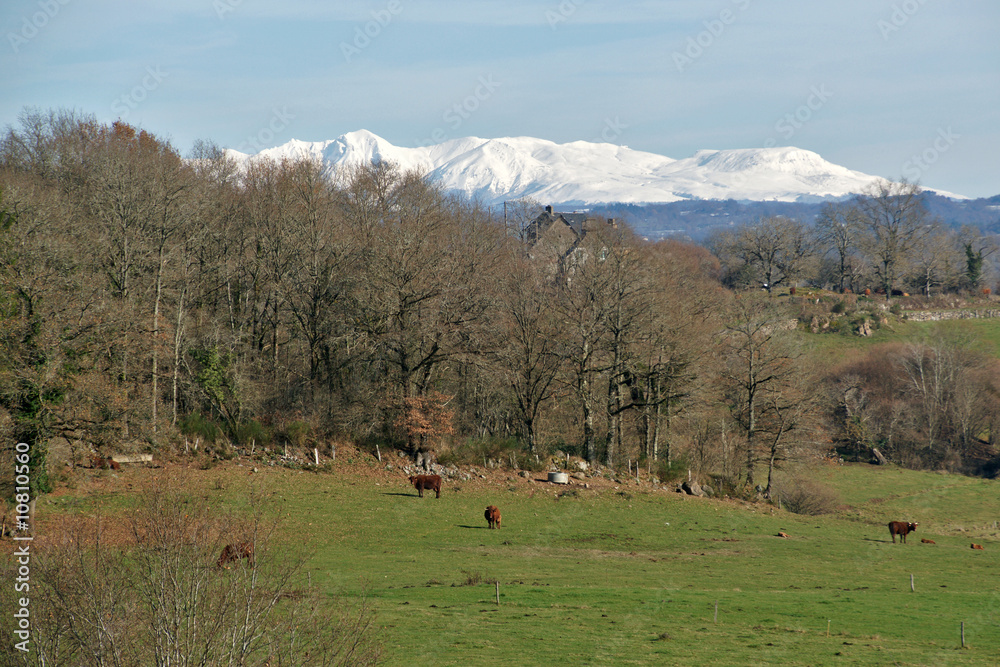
(556, 238)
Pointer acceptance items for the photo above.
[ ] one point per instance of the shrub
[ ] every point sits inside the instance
(671, 471)
(195, 425)
(473, 578)
(726, 486)
(252, 431)
(839, 307)
(103, 589)
(297, 433)
(804, 496)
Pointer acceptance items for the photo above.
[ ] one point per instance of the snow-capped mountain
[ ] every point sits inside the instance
(585, 173)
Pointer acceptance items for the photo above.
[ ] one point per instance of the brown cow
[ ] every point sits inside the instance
(926, 541)
(977, 546)
(104, 464)
(493, 516)
(901, 528)
(429, 482)
(233, 552)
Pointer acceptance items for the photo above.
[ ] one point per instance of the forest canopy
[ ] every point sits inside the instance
(148, 300)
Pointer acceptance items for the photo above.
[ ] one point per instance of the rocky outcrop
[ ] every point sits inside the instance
(692, 489)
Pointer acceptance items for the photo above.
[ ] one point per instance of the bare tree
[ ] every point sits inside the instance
(935, 261)
(529, 355)
(787, 416)
(671, 363)
(517, 214)
(629, 296)
(772, 252)
(761, 369)
(320, 287)
(894, 219)
(838, 228)
(583, 308)
(426, 270)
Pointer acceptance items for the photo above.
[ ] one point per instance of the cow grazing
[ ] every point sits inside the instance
(926, 541)
(493, 516)
(429, 482)
(901, 528)
(104, 464)
(977, 546)
(234, 552)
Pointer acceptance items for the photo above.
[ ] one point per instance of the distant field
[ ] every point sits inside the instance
(628, 576)
(836, 346)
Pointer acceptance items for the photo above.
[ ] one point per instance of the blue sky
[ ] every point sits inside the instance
(896, 88)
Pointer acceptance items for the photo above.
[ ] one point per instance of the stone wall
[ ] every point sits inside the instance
(937, 315)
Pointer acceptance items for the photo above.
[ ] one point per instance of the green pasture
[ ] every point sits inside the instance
(630, 576)
(836, 347)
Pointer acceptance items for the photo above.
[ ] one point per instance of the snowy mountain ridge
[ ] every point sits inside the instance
(582, 173)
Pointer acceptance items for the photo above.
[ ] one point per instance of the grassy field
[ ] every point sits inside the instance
(835, 347)
(627, 575)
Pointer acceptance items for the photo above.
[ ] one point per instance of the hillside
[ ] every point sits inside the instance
(697, 218)
(623, 572)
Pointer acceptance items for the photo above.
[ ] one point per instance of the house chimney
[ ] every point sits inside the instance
(548, 209)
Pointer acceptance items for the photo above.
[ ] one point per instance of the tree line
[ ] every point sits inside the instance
(884, 241)
(147, 300)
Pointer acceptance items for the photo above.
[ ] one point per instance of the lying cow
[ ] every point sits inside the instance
(901, 528)
(493, 516)
(977, 546)
(234, 552)
(429, 482)
(926, 541)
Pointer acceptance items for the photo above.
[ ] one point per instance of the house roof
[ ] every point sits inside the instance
(575, 221)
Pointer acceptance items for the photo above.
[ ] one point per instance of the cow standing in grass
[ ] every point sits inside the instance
(429, 482)
(493, 516)
(901, 528)
(234, 552)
